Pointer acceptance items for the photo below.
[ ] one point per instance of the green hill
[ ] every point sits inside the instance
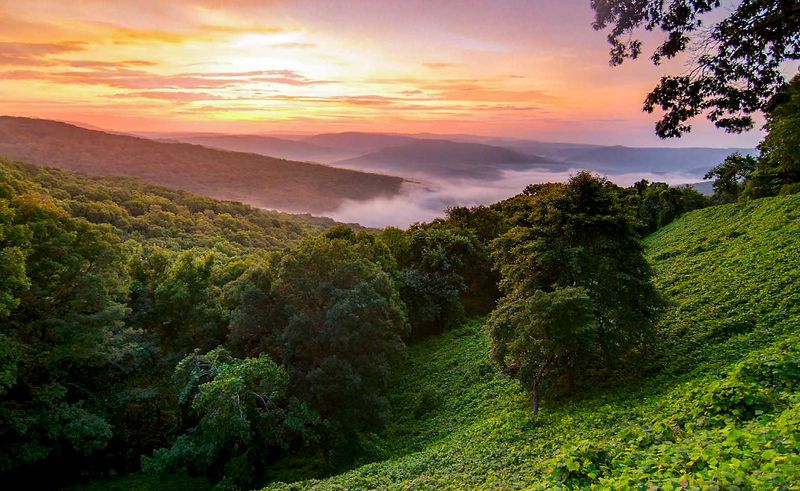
(156, 215)
(719, 408)
(258, 180)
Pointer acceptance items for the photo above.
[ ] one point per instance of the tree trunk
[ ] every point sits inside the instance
(570, 380)
(325, 457)
(535, 386)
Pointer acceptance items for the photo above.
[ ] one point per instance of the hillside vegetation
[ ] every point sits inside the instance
(260, 181)
(161, 216)
(721, 408)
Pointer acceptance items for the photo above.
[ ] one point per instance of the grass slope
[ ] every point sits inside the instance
(721, 410)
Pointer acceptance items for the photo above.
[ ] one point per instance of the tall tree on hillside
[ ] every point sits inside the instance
(343, 332)
(778, 168)
(577, 289)
(730, 176)
(735, 63)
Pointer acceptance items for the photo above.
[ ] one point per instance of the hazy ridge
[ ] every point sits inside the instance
(254, 179)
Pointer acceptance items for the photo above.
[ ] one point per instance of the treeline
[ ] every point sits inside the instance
(776, 170)
(161, 216)
(148, 328)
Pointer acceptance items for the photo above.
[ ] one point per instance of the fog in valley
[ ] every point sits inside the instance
(425, 198)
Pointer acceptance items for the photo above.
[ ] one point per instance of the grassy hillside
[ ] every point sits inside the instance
(260, 181)
(721, 407)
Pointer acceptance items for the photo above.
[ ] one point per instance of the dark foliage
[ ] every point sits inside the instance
(577, 289)
(344, 330)
(736, 62)
(657, 203)
(730, 176)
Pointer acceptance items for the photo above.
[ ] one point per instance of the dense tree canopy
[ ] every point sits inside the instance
(730, 176)
(344, 330)
(136, 320)
(243, 411)
(657, 203)
(64, 340)
(776, 170)
(577, 290)
(778, 167)
(736, 62)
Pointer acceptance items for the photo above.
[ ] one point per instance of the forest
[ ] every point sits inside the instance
(579, 334)
(153, 329)
(157, 331)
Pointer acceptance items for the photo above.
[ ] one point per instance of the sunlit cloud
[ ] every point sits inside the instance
(439, 65)
(34, 54)
(509, 68)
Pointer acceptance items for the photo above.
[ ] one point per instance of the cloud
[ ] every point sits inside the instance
(106, 65)
(295, 45)
(440, 65)
(119, 76)
(35, 54)
(172, 96)
(429, 198)
(482, 92)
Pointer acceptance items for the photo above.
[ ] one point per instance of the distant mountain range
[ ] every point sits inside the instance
(267, 145)
(359, 143)
(466, 155)
(617, 159)
(260, 181)
(444, 158)
(252, 169)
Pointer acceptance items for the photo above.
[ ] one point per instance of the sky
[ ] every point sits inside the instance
(525, 69)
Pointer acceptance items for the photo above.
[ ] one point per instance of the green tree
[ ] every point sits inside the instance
(179, 297)
(63, 335)
(532, 333)
(778, 168)
(482, 224)
(658, 203)
(735, 62)
(730, 176)
(243, 413)
(343, 333)
(14, 246)
(575, 248)
(433, 276)
(257, 318)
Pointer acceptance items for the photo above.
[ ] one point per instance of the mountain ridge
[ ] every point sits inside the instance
(249, 178)
(446, 158)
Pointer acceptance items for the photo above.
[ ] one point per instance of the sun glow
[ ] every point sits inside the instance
(286, 66)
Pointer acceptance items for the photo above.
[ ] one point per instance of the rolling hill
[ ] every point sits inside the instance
(270, 146)
(155, 215)
(357, 142)
(253, 179)
(718, 409)
(445, 158)
(695, 161)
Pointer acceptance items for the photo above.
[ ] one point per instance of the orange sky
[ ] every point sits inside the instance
(515, 68)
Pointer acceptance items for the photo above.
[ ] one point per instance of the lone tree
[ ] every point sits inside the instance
(735, 62)
(577, 290)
